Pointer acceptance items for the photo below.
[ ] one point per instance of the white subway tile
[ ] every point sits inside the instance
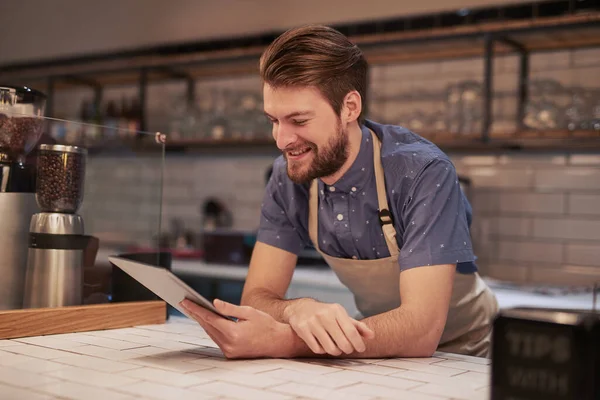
(328, 381)
(530, 251)
(533, 160)
(491, 177)
(163, 377)
(107, 343)
(96, 364)
(586, 57)
(389, 381)
(584, 204)
(507, 272)
(428, 368)
(566, 229)
(37, 351)
(533, 203)
(569, 275)
(455, 381)
(584, 159)
(50, 342)
(163, 392)
(404, 70)
(472, 67)
(38, 366)
(381, 369)
(77, 391)
(511, 226)
(11, 392)
(167, 364)
(25, 379)
(236, 365)
(463, 365)
(568, 178)
(586, 77)
(8, 359)
(581, 254)
(91, 377)
(305, 390)
(231, 390)
(479, 160)
(550, 61)
(453, 392)
(102, 352)
(485, 201)
(368, 389)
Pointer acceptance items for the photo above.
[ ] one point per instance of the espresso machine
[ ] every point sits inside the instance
(57, 240)
(21, 120)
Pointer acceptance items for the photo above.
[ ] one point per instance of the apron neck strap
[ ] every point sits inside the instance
(385, 216)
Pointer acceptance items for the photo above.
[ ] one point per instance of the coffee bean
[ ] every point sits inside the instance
(18, 135)
(60, 181)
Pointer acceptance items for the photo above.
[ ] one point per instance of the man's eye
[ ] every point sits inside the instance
(273, 121)
(300, 122)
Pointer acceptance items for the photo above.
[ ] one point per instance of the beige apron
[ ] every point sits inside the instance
(376, 283)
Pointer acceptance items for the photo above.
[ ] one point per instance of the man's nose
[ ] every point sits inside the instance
(284, 136)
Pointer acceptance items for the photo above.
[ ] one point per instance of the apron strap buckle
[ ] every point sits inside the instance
(385, 217)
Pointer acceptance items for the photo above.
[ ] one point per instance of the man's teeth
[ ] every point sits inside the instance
(298, 152)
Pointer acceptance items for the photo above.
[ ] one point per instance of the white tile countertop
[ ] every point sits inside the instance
(177, 360)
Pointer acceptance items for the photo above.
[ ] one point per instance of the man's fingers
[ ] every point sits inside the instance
(239, 312)
(351, 332)
(308, 338)
(324, 339)
(337, 334)
(363, 329)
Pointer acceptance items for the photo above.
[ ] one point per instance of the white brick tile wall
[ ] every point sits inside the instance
(537, 161)
(584, 204)
(583, 254)
(513, 195)
(572, 178)
(586, 57)
(531, 251)
(584, 159)
(471, 68)
(560, 60)
(532, 203)
(491, 177)
(567, 229)
(511, 226)
(567, 275)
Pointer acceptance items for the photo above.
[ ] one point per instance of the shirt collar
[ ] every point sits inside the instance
(361, 169)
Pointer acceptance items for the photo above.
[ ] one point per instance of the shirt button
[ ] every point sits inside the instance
(353, 189)
(340, 217)
(331, 189)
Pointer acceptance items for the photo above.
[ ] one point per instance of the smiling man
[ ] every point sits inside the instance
(381, 204)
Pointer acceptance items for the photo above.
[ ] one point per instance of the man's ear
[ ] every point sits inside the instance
(351, 107)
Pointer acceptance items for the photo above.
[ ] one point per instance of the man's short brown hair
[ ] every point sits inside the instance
(316, 56)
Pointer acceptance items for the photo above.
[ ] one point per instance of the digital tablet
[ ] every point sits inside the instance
(164, 284)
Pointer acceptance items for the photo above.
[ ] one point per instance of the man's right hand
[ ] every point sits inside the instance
(326, 328)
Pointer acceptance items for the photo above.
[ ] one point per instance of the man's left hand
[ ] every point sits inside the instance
(255, 334)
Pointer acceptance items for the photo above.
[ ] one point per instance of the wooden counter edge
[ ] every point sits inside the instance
(50, 321)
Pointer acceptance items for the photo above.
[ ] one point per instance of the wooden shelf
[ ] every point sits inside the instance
(533, 34)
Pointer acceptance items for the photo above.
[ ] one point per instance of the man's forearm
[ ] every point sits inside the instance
(270, 303)
(398, 333)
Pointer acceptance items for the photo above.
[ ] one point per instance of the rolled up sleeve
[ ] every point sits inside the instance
(436, 229)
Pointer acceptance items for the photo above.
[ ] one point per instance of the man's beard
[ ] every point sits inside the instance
(326, 160)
